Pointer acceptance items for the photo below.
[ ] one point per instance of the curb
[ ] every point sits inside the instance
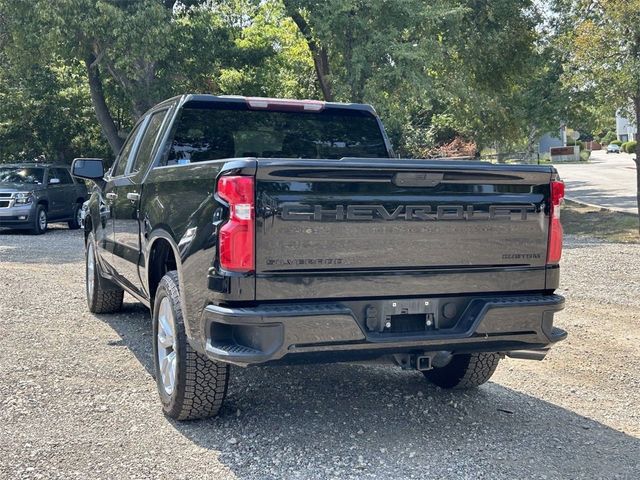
(593, 205)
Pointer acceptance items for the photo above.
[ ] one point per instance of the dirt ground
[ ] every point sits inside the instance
(599, 223)
(78, 399)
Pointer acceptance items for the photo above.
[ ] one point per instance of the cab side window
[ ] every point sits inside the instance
(125, 152)
(148, 142)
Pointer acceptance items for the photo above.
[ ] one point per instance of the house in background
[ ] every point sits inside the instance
(625, 128)
(552, 139)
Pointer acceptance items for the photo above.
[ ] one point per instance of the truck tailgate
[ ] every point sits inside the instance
(358, 227)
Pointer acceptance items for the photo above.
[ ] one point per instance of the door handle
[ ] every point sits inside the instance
(111, 196)
(133, 196)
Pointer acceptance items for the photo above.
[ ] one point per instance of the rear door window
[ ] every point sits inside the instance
(63, 175)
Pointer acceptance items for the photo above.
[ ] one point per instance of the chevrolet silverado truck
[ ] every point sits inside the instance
(34, 194)
(270, 232)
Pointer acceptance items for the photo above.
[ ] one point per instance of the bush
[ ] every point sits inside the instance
(623, 146)
(573, 143)
(584, 156)
(630, 147)
(608, 138)
(616, 142)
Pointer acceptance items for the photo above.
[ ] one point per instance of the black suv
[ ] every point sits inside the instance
(34, 194)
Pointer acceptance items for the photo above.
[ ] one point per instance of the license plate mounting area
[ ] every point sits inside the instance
(403, 316)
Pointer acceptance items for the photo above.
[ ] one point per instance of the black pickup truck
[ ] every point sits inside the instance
(262, 231)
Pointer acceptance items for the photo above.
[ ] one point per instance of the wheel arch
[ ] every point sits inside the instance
(88, 227)
(161, 256)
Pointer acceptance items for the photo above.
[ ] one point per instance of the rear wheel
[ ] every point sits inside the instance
(76, 220)
(464, 371)
(40, 221)
(190, 385)
(99, 298)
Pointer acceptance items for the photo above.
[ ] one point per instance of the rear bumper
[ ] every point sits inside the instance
(352, 330)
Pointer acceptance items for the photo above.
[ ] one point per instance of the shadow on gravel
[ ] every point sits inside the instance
(375, 422)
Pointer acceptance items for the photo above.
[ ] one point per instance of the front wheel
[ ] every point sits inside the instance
(40, 221)
(464, 371)
(190, 385)
(76, 219)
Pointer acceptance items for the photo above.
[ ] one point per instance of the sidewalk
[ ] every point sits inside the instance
(607, 181)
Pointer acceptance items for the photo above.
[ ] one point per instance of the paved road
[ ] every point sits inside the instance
(607, 181)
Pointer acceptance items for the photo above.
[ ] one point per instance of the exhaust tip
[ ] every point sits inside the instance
(528, 354)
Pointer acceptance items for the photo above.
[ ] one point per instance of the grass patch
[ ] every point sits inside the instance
(604, 224)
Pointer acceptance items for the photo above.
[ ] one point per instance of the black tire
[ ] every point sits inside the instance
(464, 371)
(74, 223)
(200, 384)
(99, 298)
(39, 226)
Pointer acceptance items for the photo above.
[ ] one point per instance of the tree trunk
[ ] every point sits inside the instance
(319, 54)
(638, 183)
(321, 62)
(100, 107)
(636, 105)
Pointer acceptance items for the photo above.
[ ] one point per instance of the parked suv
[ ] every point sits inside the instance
(34, 194)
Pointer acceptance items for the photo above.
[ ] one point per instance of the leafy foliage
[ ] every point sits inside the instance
(602, 44)
(609, 137)
(446, 77)
(630, 147)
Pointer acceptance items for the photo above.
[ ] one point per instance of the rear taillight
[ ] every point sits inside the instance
(236, 238)
(554, 251)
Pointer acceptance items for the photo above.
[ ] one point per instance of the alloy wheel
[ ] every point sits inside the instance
(166, 339)
(42, 220)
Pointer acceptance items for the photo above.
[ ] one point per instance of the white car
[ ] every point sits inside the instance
(613, 148)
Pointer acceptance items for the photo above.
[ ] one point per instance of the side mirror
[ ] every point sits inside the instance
(89, 168)
(54, 181)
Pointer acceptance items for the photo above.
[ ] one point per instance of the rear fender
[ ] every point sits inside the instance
(154, 236)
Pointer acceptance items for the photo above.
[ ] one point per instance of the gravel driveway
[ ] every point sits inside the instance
(78, 399)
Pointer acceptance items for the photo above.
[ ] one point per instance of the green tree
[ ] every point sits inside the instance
(46, 111)
(285, 67)
(435, 70)
(133, 53)
(602, 41)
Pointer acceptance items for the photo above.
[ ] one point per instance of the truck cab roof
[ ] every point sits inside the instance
(266, 102)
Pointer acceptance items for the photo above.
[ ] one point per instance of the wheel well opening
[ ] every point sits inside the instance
(161, 261)
(88, 228)
(80, 200)
(44, 202)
